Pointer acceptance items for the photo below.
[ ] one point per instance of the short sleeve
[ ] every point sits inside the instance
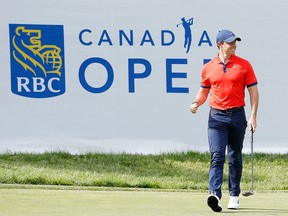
(250, 79)
(205, 82)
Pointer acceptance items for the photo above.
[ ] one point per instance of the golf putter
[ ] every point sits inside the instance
(251, 192)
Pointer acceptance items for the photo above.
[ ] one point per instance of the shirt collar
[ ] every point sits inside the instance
(218, 60)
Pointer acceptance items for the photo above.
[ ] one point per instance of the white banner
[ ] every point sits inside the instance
(119, 76)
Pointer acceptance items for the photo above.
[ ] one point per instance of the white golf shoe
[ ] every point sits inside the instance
(233, 202)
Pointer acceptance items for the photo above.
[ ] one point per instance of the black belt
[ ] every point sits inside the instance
(231, 110)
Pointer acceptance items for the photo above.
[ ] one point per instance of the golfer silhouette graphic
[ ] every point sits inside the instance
(188, 34)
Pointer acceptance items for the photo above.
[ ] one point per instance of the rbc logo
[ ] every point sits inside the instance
(37, 60)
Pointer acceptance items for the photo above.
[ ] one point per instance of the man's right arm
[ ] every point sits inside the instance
(200, 99)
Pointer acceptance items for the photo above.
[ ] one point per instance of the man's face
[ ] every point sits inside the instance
(228, 48)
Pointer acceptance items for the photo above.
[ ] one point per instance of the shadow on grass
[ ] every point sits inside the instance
(262, 211)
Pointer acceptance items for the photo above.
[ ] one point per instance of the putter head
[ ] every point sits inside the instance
(247, 193)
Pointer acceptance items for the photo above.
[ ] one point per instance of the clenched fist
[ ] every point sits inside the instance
(193, 107)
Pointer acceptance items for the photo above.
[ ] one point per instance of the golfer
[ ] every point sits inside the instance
(188, 34)
(225, 78)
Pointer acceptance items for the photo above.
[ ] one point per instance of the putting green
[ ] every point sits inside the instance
(41, 202)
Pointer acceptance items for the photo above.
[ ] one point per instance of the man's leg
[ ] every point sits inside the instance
(218, 139)
(235, 171)
(217, 151)
(236, 136)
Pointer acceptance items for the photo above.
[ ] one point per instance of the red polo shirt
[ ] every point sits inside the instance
(227, 82)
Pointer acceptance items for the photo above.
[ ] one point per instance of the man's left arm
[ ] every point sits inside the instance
(254, 101)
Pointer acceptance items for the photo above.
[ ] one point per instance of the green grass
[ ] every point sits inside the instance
(42, 202)
(173, 171)
(58, 183)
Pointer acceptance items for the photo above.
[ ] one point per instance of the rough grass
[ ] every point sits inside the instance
(165, 171)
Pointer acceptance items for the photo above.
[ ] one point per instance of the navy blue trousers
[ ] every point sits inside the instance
(226, 130)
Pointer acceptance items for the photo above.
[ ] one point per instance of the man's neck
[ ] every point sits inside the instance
(224, 57)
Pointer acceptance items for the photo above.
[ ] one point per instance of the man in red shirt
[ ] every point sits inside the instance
(226, 77)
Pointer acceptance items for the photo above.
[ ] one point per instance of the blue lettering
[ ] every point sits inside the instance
(82, 78)
(204, 39)
(163, 43)
(206, 61)
(149, 39)
(139, 75)
(81, 37)
(105, 38)
(129, 40)
(170, 75)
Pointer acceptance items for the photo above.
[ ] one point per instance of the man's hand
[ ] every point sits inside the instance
(199, 99)
(193, 107)
(252, 124)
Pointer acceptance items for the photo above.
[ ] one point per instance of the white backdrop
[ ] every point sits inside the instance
(150, 119)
